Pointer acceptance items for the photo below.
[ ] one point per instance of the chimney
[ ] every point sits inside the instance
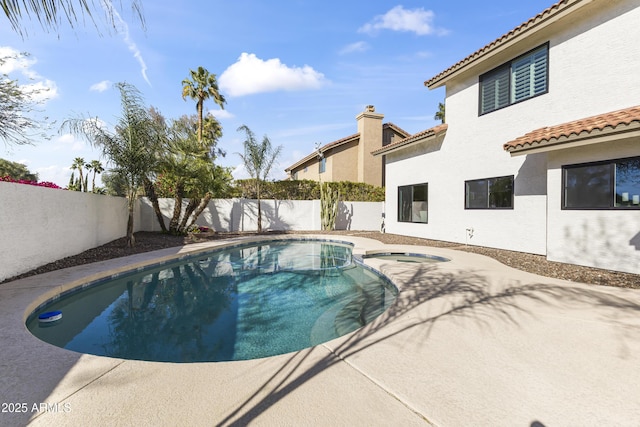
(370, 130)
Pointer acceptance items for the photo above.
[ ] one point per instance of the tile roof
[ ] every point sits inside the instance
(518, 31)
(583, 128)
(355, 136)
(343, 141)
(434, 131)
(397, 128)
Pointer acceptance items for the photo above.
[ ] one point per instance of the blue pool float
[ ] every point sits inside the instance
(50, 316)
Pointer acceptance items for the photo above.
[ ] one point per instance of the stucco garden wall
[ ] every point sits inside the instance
(241, 215)
(39, 225)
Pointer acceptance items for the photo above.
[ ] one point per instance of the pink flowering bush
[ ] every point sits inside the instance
(47, 184)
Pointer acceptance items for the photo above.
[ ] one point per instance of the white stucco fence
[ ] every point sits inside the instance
(241, 215)
(40, 225)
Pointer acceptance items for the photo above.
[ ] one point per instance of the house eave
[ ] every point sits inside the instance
(537, 23)
(605, 135)
(323, 149)
(438, 131)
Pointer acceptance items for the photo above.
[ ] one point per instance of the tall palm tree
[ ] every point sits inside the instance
(201, 87)
(96, 167)
(52, 13)
(258, 158)
(440, 113)
(79, 164)
(131, 148)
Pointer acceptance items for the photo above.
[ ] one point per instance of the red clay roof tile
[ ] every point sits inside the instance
(343, 141)
(548, 12)
(412, 138)
(587, 125)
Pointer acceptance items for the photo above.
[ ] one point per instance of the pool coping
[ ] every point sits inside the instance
(414, 387)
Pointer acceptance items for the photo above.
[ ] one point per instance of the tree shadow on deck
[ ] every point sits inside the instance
(440, 295)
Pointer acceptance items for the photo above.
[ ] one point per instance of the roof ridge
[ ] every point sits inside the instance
(554, 8)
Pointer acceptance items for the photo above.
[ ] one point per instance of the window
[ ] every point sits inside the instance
(613, 184)
(490, 193)
(523, 78)
(322, 165)
(413, 203)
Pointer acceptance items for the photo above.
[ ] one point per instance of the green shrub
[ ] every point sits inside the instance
(307, 190)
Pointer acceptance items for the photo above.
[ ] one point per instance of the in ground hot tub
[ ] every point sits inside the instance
(405, 257)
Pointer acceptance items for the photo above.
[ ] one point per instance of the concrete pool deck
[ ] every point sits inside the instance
(467, 342)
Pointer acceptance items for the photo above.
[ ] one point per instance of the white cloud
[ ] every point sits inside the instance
(355, 47)
(240, 172)
(221, 114)
(13, 61)
(251, 74)
(69, 142)
(123, 29)
(101, 86)
(55, 173)
(41, 91)
(417, 21)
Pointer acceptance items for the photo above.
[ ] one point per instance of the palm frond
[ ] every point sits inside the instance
(50, 14)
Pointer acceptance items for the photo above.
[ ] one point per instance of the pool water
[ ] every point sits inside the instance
(240, 303)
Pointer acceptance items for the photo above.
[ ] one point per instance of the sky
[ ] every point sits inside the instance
(298, 71)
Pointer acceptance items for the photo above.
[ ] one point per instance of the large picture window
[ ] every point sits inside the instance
(523, 78)
(612, 184)
(489, 193)
(413, 203)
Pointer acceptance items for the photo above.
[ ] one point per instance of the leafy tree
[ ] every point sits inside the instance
(186, 169)
(17, 104)
(201, 87)
(440, 113)
(184, 166)
(17, 171)
(258, 159)
(114, 184)
(131, 148)
(218, 180)
(160, 131)
(52, 13)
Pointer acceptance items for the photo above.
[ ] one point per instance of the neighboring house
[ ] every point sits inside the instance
(541, 150)
(349, 158)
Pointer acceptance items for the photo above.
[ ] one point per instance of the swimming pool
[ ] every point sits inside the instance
(242, 302)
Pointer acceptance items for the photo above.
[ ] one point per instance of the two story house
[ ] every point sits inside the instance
(349, 158)
(541, 150)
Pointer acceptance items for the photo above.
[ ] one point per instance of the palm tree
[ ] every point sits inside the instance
(258, 158)
(440, 113)
(96, 167)
(52, 13)
(131, 148)
(79, 164)
(216, 179)
(201, 87)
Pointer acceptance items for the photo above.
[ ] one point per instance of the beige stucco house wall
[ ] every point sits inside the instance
(350, 158)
